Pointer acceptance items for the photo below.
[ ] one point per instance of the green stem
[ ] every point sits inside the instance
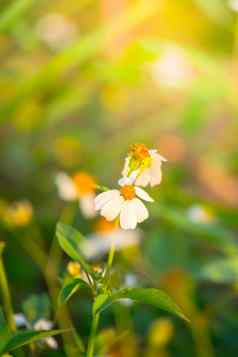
(111, 256)
(6, 296)
(109, 265)
(92, 338)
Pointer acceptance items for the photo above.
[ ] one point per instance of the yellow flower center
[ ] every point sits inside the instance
(139, 151)
(84, 183)
(128, 192)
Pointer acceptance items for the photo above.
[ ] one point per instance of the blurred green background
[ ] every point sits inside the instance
(82, 80)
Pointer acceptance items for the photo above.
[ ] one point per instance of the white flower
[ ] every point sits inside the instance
(79, 187)
(131, 280)
(233, 5)
(199, 214)
(148, 166)
(21, 320)
(56, 31)
(40, 325)
(66, 187)
(46, 325)
(172, 69)
(125, 204)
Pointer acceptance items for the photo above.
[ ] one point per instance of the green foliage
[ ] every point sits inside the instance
(69, 240)
(70, 287)
(24, 338)
(149, 296)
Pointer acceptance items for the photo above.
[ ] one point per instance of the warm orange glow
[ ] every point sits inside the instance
(84, 183)
(139, 151)
(104, 226)
(128, 192)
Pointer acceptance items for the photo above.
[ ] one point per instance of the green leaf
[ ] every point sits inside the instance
(69, 239)
(154, 297)
(12, 14)
(21, 339)
(70, 287)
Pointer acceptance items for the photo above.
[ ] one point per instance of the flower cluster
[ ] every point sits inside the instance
(142, 168)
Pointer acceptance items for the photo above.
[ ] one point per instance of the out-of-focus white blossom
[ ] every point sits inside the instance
(199, 214)
(46, 325)
(56, 31)
(21, 320)
(99, 244)
(39, 325)
(79, 187)
(233, 4)
(172, 69)
(130, 280)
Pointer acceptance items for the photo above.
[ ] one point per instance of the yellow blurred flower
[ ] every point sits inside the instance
(161, 332)
(74, 269)
(18, 214)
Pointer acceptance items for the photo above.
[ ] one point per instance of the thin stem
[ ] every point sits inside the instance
(109, 265)
(92, 338)
(6, 296)
(111, 256)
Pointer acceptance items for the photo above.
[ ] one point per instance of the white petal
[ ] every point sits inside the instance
(128, 180)
(87, 205)
(112, 208)
(104, 197)
(155, 171)
(154, 154)
(51, 342)
(143, 194)
(123, 181)
(128, 219)
(140, 209)
(126, 166)
(21, 320)
(155, 177)
(153, 151)
(133, 176)
(66, 187)
(144, 178)
(43, 324)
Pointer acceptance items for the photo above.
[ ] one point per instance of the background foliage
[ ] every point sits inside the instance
(82, 80)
